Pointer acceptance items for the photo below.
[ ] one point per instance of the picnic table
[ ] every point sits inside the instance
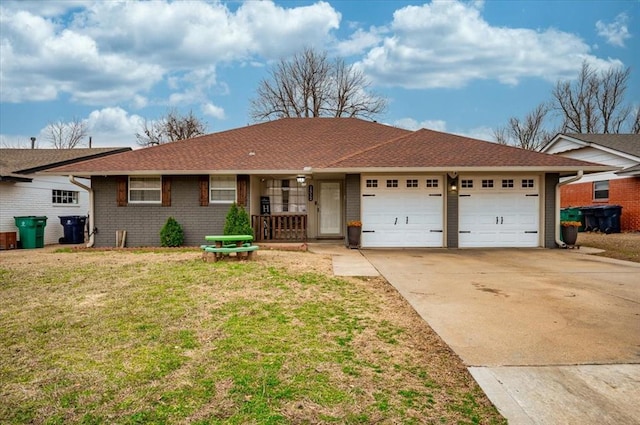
(224, 245)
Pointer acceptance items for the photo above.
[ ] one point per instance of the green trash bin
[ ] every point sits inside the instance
(572, 214)
(31, 231)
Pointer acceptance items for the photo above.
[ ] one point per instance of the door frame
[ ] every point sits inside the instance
(320, 210)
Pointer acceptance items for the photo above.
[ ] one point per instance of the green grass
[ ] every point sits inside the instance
(136, 338)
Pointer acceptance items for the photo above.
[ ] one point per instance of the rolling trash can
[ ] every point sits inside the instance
(73, 228)
(609, 218)
(31, 230)
(572, 214)
(590, 219)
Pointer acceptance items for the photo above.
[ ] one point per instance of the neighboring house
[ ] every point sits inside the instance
(619, 187)
(307, 177)
(25, 193)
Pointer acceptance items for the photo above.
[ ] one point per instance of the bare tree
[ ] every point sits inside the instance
(66, 135)
(593, 103)
(312, 85)
(527, 133)
(170, 128)
(635, 128)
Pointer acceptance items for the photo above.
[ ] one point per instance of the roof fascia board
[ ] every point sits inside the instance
(174, 172)
(14, 179)
(346, 170)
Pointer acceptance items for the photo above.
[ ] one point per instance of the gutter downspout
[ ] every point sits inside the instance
(557, 225)
(73, 180)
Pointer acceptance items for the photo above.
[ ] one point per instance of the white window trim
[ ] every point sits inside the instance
(75, 196)
(234, 188)
(158, 189)
(595, 190)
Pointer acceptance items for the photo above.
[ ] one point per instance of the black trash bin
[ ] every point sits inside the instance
(73, 228)
(589, 218)
(609, 218)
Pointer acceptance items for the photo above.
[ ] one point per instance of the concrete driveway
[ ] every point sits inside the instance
(552, 336)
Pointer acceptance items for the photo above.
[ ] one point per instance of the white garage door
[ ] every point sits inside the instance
(499, 211)
(402, 211)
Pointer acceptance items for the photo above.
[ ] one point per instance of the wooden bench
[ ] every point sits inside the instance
(220, 249)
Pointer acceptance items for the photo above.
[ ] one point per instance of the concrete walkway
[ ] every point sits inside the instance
(551, 336)
(346, 262)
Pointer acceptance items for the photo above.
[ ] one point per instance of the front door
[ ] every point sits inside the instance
(330, 209)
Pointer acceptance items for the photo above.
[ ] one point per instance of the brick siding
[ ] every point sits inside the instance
(624, 192)
(143, 222)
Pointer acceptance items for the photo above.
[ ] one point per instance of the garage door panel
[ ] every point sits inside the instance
(402, 217)
(498, 216)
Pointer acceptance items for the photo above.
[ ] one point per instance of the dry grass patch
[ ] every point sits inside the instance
(131, 337)
(622, 246)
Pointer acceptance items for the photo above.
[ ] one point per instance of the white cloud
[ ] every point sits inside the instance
(114, 52)
(213, 111)
(113, 127)
(40, 61)
(412, 124)
(359, 42)
(449, 44)
(616, 32)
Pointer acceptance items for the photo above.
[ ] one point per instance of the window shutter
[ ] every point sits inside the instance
(166, 191)
(204, 191)
(242, 184)
(121, 196)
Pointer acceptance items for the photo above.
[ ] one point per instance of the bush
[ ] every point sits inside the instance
(237, 222)
(171, 233)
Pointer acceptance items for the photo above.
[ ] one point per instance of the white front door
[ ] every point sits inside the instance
(402, 211)
(330, 209)
(499, 211)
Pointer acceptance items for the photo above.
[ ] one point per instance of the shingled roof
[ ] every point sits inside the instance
(291, 145)
(18, 164)
(625, 143)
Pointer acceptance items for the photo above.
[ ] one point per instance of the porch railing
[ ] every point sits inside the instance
(285, 227)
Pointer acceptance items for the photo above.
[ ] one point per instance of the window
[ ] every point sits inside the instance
(222, 189)
(466, 184)
(372, 183)
(601, 190)
(64, 197)
(487, 184)
(285, 196)
(527, 183)
(412, 183)
(507, 183)
(432, 182)
(145, 190)
(392, 183)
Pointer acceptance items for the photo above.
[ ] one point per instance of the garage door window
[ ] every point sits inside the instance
(601, 190)
(486, 184)
(372, 183)
(527, 183)
(392, 183)
(432, 183)
(412, 183)
(467, 184)
(507, 183)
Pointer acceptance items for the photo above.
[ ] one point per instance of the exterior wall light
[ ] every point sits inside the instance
(301, 179)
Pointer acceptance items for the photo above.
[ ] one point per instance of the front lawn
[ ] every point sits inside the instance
(141, 337)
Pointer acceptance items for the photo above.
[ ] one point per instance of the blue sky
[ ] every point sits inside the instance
(460, 67)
